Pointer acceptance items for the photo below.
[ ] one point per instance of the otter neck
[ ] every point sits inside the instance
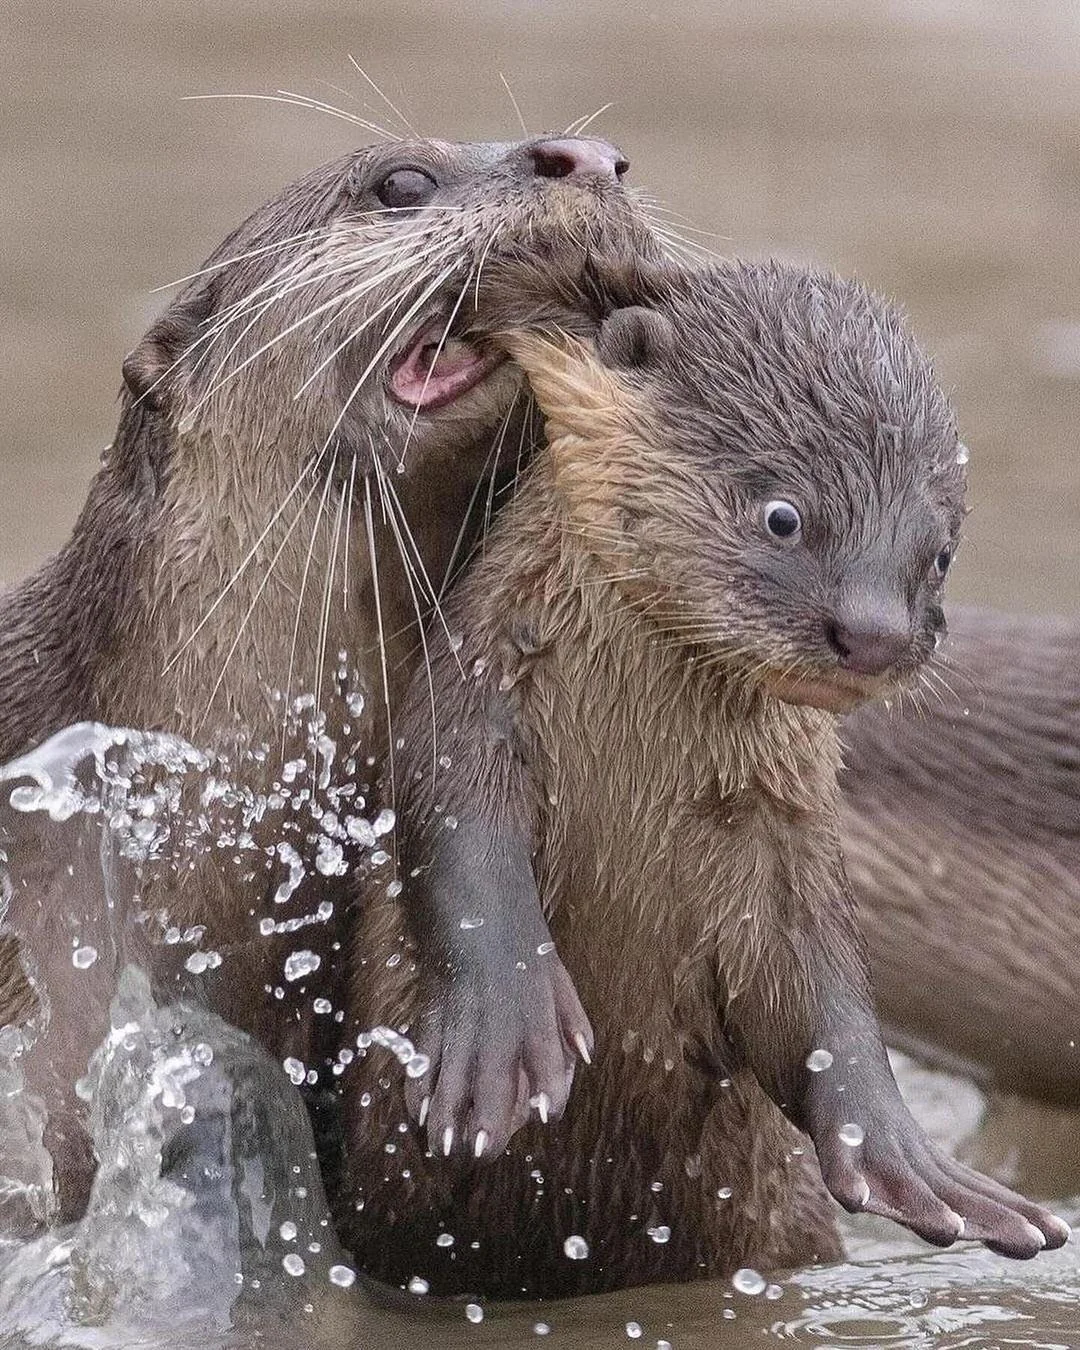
(232, 581)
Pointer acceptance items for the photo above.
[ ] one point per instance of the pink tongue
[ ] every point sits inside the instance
(422, 385)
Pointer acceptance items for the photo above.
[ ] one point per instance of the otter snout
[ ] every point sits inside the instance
(577, 157)
(869, 641)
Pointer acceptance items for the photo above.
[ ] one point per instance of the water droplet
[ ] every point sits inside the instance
(384, 821)
(773, 1292)
(444, 1240)
(468, 923)
(541, 1329)
(545, 949)
(330, 858)
(82, 958)
(576, 1248)
(851, 1134)
(724, 1193)
(294, 1264)
(288, 1231)
(416, 1067)
(963, 454)
(203, 1054)
(296, 1071)
(817, 1060)
(200, 962)
(299, 964)
(660, 1234)
(342, 1276)
(633, 1330)
(418, 1285)
(359, 829)
(355, 704)
(748, 1281)
(322, 1006)
(474, 1312)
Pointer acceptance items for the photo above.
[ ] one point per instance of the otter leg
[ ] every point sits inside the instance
(802, 1015)
(501, 1021)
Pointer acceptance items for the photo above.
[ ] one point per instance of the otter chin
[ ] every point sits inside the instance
(828, 691)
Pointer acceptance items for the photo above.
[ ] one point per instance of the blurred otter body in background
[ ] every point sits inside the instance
(961, 829)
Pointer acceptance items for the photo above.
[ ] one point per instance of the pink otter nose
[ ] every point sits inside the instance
(571, 157)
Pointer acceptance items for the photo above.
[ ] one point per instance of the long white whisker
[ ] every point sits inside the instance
(259, 590)
(348, 524)
(316, 523)
(313, 468)
(327, 600)
(391, 516)
(296, 101)
(431, 371)
(578, 125)
(392, 106)
(513, 100)
(374, 564)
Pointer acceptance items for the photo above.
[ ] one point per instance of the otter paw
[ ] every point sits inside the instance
(911, 1181)
(501, 1052)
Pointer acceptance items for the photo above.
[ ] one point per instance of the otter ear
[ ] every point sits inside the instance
(153, 369)
(635, 337)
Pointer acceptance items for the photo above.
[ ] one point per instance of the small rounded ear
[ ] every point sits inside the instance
(149, 368)
(635, 337)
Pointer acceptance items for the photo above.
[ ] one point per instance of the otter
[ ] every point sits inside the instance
(302, 453)
(961, 826)
(740, 526)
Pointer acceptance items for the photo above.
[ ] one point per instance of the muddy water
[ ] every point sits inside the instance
(931, 147)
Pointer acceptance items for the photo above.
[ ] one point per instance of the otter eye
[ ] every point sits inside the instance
(404, 188)
(942, 561)
(782, 520)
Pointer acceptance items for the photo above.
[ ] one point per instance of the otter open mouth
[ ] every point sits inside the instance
(434, 369)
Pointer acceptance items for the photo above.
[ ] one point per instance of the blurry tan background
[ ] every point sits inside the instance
(931, 147)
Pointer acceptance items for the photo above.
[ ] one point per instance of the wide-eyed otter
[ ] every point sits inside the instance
(726, 540)
(961, 827)
(298, 456)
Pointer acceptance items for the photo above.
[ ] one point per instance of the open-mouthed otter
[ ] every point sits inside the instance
(961, 827)
(740, 525)
(302, 451)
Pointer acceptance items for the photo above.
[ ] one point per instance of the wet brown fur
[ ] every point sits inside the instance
(115, 627)
(649, 1111)
(682, 824)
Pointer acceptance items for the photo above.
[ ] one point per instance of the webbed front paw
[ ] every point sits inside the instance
(501, 1050)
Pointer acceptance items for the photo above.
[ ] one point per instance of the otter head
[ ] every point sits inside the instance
(326, 317)
(309, 374)
(760, 456)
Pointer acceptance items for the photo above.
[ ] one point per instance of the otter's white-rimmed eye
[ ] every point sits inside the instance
(403, 188)
(782, 520)
(942, 561)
